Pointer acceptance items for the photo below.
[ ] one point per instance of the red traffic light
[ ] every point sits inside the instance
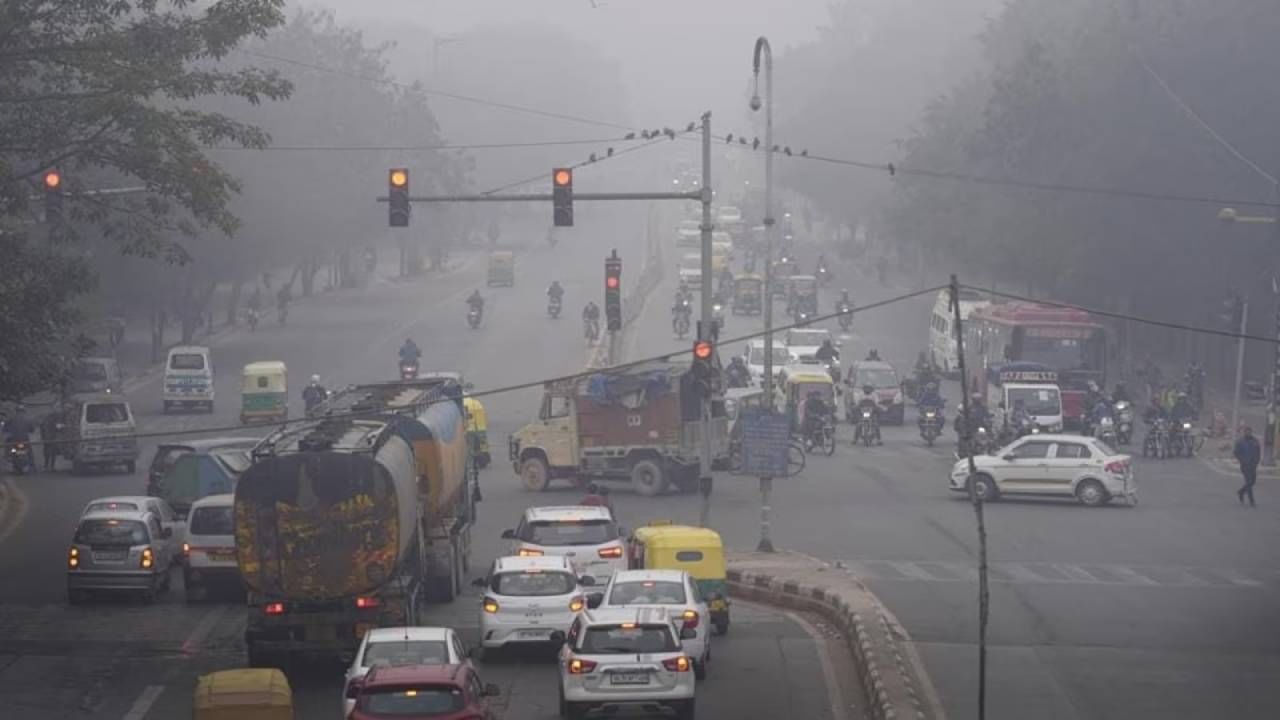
(562, 177)
(611, 282)
(52, 180)
(702, 350)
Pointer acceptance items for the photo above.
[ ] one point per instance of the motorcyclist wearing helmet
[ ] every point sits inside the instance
(409, 351)
(868, 401)
(683, 292)
(873, 355)
(475, 302)
(314, 393)
(555, 292)
(827, 352)
(1120, 394)
(682, 309)
(845, 303)
(821, 266)
(591, 318)
(1182, 409)
(930, 396)
(738, 375)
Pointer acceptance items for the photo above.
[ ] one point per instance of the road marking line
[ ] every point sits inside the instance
(1129, 575)
(191, 645)
(1234, 577)
(912, 570)
(1023, 573)
(143, 704)
(835, 693)
(1075, 572)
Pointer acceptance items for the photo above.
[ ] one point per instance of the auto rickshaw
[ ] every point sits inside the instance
(477, 431)
(747, 293)
(502, 268)
(264, 393)
(796, 385)
(697, 551)
(243, 694)
(782, 269)
(802, 293)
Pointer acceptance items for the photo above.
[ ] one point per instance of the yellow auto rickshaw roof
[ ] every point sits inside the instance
(684, 535)
(507, 254)
(808, 376)
(265, 367)
(244, 688)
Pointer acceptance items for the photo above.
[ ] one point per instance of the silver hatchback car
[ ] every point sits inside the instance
(119, 551)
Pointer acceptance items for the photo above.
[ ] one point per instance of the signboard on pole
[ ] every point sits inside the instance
(766, 440)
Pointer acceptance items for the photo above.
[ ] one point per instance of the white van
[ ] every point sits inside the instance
(210, 549)
(942, 337)
(188, 378)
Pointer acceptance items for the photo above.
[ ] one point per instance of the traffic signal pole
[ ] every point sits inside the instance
(705, 331)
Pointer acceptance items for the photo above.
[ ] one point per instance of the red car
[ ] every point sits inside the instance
(419, 692)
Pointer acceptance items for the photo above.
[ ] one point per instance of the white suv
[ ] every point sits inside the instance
(586, 534)
(209, 553)
(1046, 464)
(526, 599)
(670, 590)
(625, 657)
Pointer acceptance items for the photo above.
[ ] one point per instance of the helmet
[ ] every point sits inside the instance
(1093, 386)
(315, 379)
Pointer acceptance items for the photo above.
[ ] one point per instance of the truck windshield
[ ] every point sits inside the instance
(533, 584)
(558, 533)
(1037, 401)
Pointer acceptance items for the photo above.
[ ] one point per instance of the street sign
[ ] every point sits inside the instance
(766, 441)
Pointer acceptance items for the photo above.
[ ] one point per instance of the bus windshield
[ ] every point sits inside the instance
(1081, 352)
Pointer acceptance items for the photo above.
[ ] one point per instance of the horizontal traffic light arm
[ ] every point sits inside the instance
(546, 197)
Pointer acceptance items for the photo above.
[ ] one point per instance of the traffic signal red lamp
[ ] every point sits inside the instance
(562, 197)
(613, 292)
(398, 197)
(53, 196)
(702, 350)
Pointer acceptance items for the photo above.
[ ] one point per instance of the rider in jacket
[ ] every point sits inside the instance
(815, 414)
(475, 302)
(867, 400)
(314, 393)
(409, 352)
(737, 375)
(555, 292)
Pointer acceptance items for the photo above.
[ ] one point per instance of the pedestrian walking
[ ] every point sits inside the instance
(1248, 454)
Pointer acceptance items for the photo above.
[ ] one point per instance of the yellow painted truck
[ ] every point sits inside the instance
(352, 520)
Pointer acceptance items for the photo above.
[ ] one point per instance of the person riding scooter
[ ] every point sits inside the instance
(737, 375)
(314, 394)
(867, 401)
(409, 351)
(555, 293)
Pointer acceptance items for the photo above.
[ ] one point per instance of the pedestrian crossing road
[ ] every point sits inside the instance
(1049, 573)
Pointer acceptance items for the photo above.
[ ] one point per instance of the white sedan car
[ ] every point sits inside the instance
(672, 590)
(1053, 465)
(526, 599)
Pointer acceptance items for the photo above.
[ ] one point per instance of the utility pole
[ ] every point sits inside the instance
(705, 331)
(1235, 396)
(1269, 443)
(762, 48)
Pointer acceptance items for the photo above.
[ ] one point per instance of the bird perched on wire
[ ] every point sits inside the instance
(592, 158)
(610, 152)
(755, 143)
(728, 138)
(804, 153)
(629, 136)
(787, 151)
(692, 125)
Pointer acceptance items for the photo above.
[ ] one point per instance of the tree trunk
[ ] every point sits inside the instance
(234, 306)
(307, 268)
(159, 318)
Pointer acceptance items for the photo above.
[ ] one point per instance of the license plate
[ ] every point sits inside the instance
(535, 634)
(110, 555)
(222, 554)
(629, 679)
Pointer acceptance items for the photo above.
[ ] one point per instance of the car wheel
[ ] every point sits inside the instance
(984, 487)
(700, 669)
(647, 478)
(1090, 492)
(535, 474)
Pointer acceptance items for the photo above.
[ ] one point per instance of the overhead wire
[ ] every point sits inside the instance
(437, 146)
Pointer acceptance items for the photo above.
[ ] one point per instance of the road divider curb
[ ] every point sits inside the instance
(891, 675)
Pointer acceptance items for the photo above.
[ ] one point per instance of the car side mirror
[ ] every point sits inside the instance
(508, 534)
(480, 582)
(594, 599)
(558, 637)
(492, 690)
(688, 634)
(586, 581)
(1009, 458)
(353, 689)
(166, 533)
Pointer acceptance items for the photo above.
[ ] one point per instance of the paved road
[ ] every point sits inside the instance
(1164, 610)
(120, 659)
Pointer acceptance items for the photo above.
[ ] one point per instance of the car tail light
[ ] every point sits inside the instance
(73, 557)
(365, 603)
(186, 549)
(530, 552)
(275, 608)
(611, 552)
(677, 664)
(576, 604)
(578, 666)
(1118, 467)
(490, 605)
(690, 618)
(148, 558)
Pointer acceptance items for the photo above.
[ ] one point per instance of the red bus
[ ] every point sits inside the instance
(1066, 340)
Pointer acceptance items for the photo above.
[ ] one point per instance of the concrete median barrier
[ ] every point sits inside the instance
(888, 669)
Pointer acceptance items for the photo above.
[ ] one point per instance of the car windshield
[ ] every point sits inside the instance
(186, 361)
(111, 532)
(213, 520)
(780, 355)
(635, 639)
(533, 583)
(111, 505)
(91, 372)
(406, 652)
(570, 532)
(877, 378)
(807, 338)
(414, 701)
(106, 413)
(1037, 401)
(647, 592)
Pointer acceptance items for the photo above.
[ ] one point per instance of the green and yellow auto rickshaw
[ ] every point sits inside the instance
(697, 551)
(477, 431)
(264, 393)
(748, 291)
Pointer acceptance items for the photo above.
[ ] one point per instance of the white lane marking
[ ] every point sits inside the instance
(143, 704)
(1235, 578)
(191, 645)
(840, 710)
(912, 570)
(1130, 576)
(1075, 572)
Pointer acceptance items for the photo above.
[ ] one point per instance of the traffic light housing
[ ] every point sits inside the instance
(562, 197)
(52, 182)
(1232, 307)
(613, 292)
(398, 193)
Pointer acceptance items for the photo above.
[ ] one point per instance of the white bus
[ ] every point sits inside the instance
(942, 337)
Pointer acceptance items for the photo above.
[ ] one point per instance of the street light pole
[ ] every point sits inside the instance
(762, 48)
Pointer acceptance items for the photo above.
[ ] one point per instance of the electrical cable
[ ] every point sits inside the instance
(441, 146)
(543, 176)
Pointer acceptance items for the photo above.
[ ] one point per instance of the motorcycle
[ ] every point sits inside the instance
(253, 316)
(1105, 430)
(930, 425)
(866, 430)
(553, 307)
(473, 317)
(1182, 441)
(1124, 422)
(408, 369)
(846, 318)
(21, 456)
(1156, 443)
(821, 437)
(717, 314)
(737, 376)
(801, 317)
(824, 275)
(591, 329)
(681, 324)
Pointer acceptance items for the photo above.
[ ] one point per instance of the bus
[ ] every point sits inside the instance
(942, 338)
(1068, 341)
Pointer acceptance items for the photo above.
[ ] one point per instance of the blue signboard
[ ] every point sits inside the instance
(766, 439)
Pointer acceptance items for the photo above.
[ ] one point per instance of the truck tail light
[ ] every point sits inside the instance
(677, 664)
(148, 559)
(530, 552)
(490, 605)
(578, 666)
(611, 553)
(73, 558)
(365, 603)
(690, 618)
(576, 604)
(275, 608)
